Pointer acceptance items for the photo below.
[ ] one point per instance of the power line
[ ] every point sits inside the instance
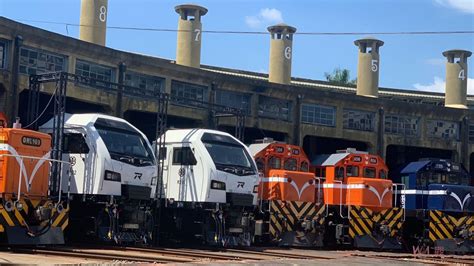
(263, 32)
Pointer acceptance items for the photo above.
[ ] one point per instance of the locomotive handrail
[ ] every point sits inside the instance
(395, 185)
(260, 176)
(319, 189)
(340, 199)
(21, 169)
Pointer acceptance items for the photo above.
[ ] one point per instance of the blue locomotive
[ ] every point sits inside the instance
(439, 202)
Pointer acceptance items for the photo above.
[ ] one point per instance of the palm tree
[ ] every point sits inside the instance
(340, 77)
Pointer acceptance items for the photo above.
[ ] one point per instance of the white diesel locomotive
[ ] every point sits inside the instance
(112, 178)
(207, 187)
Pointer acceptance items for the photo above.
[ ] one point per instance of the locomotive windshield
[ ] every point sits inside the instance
(228, 155)
(124, 143)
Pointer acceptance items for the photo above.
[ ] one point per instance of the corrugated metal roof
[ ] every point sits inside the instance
(347, 89)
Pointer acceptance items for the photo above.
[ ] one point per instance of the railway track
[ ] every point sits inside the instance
(98, 255)
(428, 259)
(189, 255)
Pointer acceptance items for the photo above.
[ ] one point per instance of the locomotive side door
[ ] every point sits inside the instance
(181, 164)
(76, 151)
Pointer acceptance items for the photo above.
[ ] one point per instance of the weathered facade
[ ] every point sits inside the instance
(399, 125)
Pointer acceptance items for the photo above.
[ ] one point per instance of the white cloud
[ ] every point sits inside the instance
(466, 6)
(265, 16)
(439, 85)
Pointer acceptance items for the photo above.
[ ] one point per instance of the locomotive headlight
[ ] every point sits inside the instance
(217, 185)
(112, 176)
(255, 189)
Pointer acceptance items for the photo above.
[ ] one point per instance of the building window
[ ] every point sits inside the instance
(274, 108)
(402, 125)
(188, 94)
(147, 85)
(358, 120)
(102, 75)
(34, 61)
(471, 132)
(443, 129)
(3, 54)
(318, 114)
(234, 99)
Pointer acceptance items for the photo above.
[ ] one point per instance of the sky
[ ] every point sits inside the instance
(410, 62)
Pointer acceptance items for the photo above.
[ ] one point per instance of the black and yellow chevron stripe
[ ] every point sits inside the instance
(16, 218)
(363, 220)
(444, 226)
(285, 215)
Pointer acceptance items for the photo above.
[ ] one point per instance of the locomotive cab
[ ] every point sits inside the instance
(359, 200)
(356, 178)
(439, 197)
(285, 172)
(289, 196)
(111, 184)
(208, 181)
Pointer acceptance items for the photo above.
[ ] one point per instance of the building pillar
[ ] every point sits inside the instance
(121, 80)
(13, 97)
(297, 120)
(380, 133)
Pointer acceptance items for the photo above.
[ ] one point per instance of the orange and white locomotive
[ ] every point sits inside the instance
(27, 213)
(291, 212)
(359, 200)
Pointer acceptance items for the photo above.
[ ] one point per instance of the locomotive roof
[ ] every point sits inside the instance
(329, 159)
(426, 164)
(257, 147)
(189, 135)
(81, 119)
(414, 167)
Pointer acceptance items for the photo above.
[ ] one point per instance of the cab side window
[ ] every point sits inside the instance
(382, 174)
(260, 165)
(304, 166)
(75, 143)
(183, 156)
(339, 173)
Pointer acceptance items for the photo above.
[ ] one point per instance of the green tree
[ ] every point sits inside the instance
(340, 77)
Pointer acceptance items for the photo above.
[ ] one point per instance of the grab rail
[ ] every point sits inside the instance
(22, 167)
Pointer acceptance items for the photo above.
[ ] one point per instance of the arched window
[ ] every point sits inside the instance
(304, 166)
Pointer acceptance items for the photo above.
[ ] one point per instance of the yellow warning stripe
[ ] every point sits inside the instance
(58, 219)
(395, 219)
(438, 223)
(2, 229)
(65, 224)
(354, 225)
(19, 217)
(7, 217)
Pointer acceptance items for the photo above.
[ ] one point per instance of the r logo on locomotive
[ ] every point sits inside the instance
(138, 175)
(240, 184)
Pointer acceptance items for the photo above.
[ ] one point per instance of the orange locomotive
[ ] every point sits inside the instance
(359, 200)
(289, 196)
(27, 216)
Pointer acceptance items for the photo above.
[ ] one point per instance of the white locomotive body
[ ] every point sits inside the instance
(111, 182)
(208, 182)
